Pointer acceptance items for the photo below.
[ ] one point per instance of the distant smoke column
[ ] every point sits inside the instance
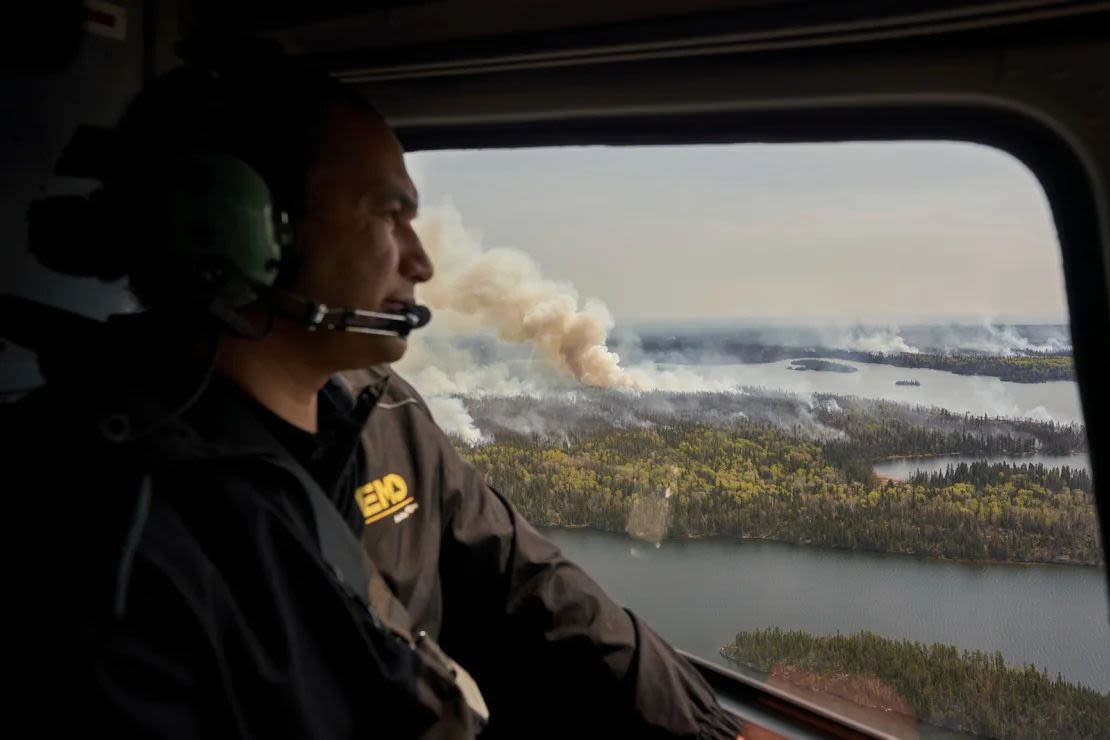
(505, 289)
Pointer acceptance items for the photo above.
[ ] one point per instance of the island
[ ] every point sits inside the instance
(821, 366)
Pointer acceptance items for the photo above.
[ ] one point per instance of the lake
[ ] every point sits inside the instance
(904, 467)
(700, 593)
(1056, 401)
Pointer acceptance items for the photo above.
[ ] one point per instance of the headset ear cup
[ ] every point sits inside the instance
(213, 222)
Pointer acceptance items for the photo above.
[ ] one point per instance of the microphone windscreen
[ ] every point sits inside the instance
(420, 316)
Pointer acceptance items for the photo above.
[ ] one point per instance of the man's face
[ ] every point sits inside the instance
(360, 250)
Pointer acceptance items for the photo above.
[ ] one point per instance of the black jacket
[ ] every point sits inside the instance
(174, 586)
(553, 654)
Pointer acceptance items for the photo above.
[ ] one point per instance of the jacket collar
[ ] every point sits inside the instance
(225, 422)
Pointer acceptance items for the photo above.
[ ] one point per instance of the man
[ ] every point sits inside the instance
(187, 581)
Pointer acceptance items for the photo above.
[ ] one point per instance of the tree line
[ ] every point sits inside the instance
(757, 481)
(969, 691)
(980, 473)
(1027, 368)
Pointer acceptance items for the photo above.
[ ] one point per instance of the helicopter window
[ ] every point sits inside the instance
(809, 409)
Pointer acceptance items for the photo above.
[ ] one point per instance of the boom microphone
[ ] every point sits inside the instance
(359, 321)
(316, 316)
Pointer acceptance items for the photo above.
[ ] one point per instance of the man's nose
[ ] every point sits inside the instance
(416, 264)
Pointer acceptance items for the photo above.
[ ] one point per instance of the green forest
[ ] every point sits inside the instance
(969, 691)
(878, 430)
(1028, 368)
(758, 481)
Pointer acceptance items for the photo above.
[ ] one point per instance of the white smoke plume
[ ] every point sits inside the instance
(443, 371)
(547, 340)
(504, 289)
(988, 337)
(453, 418)
(1007, 340)
(887, 341)
(649, 376)
(438, 366)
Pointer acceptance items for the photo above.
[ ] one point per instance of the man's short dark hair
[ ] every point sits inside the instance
(265, 109)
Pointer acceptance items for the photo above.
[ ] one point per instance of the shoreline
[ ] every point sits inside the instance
(972, 457)
(884, 553)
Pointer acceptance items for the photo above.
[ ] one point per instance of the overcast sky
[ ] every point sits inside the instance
(812, 233)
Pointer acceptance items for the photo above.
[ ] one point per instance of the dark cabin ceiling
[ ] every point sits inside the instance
(415, 37)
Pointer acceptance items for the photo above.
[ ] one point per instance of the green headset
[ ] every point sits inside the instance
(199, 219)
(215, 225)
(219, 226)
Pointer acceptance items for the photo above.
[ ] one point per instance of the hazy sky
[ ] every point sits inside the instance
(874, 232)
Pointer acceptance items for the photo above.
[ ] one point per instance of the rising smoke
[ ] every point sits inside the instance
(504, 289)
(504, 330)
(581, 413)
(545, 341)
(885, 340)
(992, 338)
(987, 337)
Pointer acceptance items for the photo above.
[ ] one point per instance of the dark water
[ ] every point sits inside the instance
(903, 468)
(700, 593)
